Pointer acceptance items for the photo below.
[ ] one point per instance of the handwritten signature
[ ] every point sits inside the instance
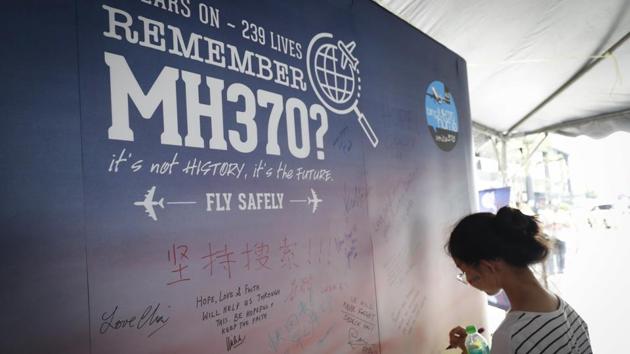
(355, 341)
(150, 318)
(234, 341)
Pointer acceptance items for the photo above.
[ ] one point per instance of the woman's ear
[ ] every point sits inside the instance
(492, 266)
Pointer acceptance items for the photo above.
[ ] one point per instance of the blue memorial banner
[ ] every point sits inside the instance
(211, 182)
(263, 177)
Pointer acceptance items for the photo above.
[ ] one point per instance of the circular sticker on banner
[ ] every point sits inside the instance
(441, 115)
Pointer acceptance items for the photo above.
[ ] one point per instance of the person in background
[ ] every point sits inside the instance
(494, 252)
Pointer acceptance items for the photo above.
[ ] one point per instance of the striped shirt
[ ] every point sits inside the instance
(558, 332)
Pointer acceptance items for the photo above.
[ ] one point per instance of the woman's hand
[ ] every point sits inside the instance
(457, 337)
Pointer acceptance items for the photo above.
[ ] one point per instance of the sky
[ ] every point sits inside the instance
(599, 165)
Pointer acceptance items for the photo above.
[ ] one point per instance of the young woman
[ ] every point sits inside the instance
(494, 252)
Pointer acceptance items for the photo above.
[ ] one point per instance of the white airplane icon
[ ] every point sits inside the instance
(148, 203)
(346, 55)
(439, 99)
(313, 200)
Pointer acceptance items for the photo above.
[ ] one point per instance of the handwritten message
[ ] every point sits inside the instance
(221, 259)
(234, 310)
(362, 318)
(406, 315)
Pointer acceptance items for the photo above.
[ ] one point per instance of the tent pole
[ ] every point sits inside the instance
(531, 153)
(504, 161)
(501, 157)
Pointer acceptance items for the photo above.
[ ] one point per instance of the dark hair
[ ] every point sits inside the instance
(509, 235)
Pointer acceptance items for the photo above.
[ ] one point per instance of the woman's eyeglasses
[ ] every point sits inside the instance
(461, 276)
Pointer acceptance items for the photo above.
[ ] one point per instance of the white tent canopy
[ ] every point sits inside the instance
(537, 65)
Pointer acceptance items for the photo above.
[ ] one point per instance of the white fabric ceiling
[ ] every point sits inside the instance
(519, 52)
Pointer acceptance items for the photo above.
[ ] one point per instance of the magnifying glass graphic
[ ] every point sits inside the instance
(334, 75)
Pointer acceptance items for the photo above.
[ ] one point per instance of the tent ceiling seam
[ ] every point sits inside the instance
(587, 67)
(575, 122)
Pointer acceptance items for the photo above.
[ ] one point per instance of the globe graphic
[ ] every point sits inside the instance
(336, 82)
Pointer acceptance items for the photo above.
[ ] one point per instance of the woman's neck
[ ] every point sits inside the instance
(525, 292)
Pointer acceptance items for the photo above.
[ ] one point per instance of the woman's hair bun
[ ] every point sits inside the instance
(512, 222)
(509, 235)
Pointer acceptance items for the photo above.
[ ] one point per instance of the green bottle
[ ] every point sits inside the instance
(475, 342)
